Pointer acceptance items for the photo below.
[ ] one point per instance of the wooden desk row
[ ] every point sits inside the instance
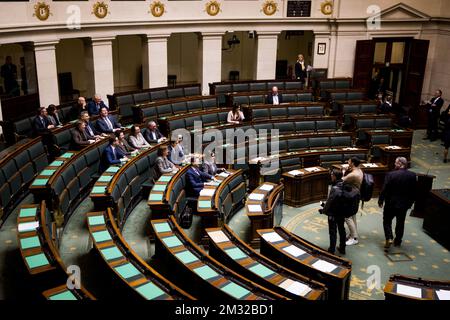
(206, 277)
(62, 293)
(130, 273)
(400, 287)
(227, 248)
(305, 258)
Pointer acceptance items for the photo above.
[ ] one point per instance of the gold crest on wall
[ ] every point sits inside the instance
(100, 9)
(270, 7)
(41, 11)
(213, 8)
(157, 9)
(326, 7)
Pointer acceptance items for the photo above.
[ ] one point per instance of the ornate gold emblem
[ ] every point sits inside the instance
(42, 11)
(100, 9)
(157, 9)
(213, 8)
(270, 7)
(326, 8)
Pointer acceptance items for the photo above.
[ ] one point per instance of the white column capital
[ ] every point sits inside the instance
(267, 34)
(212, 35)
(161, 37)
(45, 45)
(102, 41)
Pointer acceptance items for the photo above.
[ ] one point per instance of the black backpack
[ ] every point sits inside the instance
(347, 200)
(367, 187)
(185, 218)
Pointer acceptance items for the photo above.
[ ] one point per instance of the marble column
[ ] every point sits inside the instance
(154, 60)
(210, 46)
(102, 57)
(47, 76)
(89, 68)
(266, 55)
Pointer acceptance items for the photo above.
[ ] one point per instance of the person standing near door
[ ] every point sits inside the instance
(433, 108)
(300, 68)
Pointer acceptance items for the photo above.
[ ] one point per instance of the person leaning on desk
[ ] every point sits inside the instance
(209, 165)
(195, 179)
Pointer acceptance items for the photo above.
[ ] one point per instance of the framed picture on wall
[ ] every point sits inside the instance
(321, 48)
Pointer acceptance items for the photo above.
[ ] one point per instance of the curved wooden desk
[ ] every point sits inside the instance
(408, 288)
(63, 293)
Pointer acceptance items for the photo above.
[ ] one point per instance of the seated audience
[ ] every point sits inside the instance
(123, 143)
(176, 151)
(94, 107)
(79, 137)
(163, 164)
(136, 138)
(209, 165)
(79, 107)
(112, 153)
(152, 134)
(106, 123)
(274, 97)
(195, 179)
(235, 116)
(53, 115)
(41, 123)
(90, 130)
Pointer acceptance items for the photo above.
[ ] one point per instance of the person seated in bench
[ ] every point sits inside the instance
(41, 123)
(235, 116)
(106, 123)
(78, 108)
(123, 143)
(209, 165)
(195, 179)
(95, 106)
(176, 151)
(274, 97)
(90, 130)
(152, 134)
(79, 137)
(163, 164)
(136, 138)
(53, 115)
(112, 153)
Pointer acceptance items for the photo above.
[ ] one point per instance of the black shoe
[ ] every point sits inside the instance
(445, 160)
(397, 243)
(330, 250)
(341, 250)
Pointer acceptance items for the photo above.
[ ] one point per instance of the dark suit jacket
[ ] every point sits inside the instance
(436, 109)
(79, 139)
(94, 131)
(108, 157)
(40, 128)
(269, 99)
(102, 126)
(299, 73)
(399, 189)
(194, 182)
(93, 109)
(150, 139)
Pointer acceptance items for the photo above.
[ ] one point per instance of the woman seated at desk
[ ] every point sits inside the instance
(235, 116)
(176, 151)
(163, 164)
(136, 138)
(123, 143)
(209, 165)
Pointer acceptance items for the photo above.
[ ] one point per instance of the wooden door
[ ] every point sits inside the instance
(363, 63)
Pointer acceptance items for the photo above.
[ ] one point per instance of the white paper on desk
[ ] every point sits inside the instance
(443, 294)
(350, 149)
(266, 187)
(223, 174)
(409, 291)
(272, 237)
(313, 169)
(218, 236)
(28, 226)
(393, 147)
(256, 196)
(254, 208)
(295, 172)
(294, 250)
(323, 266)
(207, 192)
(370, 165)
(295, 287)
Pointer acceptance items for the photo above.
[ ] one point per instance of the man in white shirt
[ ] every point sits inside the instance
(274, 97)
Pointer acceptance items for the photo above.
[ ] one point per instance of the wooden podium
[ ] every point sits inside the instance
(390, 153)
(305, 187)
(436, 221)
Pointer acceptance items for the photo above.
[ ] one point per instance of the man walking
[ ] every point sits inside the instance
(398, 195)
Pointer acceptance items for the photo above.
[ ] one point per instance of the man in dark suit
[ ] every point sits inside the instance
(152, 134)
(79, 137)
(300, 68)
(398, 195)
(94, 106)
(53, 115)
(9, 75)
(433, 110)
(112, 154)
(41, 123)
(274, 97)
(195, 179)
(90, 130)
(106, 123)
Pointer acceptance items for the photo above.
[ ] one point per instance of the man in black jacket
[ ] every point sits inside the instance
(274, 97)
(433, 110)
(398, 195)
